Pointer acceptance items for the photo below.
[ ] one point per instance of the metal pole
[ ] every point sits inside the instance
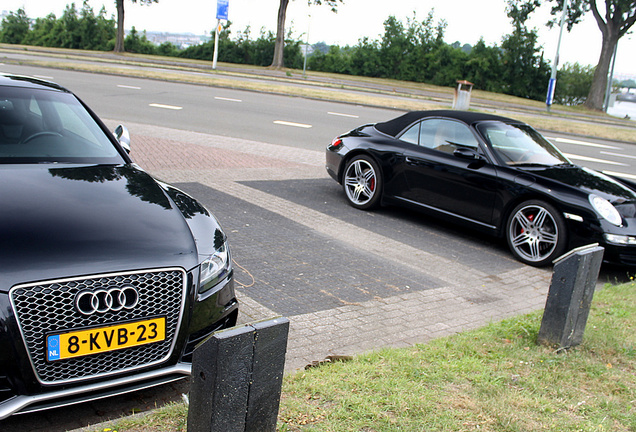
(553, 74)
(306, 48)
(608, 90)
(216, 43)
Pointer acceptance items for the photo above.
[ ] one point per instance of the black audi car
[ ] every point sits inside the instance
(108, 277)
(491, 173)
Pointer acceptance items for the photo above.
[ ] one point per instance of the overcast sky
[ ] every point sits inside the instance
(467, 22)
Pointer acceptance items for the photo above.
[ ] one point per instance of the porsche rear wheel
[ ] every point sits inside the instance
(536, 233)
(362, 182)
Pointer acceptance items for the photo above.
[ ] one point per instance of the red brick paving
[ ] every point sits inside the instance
(153, 154)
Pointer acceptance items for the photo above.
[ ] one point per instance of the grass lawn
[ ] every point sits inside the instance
(492, 379)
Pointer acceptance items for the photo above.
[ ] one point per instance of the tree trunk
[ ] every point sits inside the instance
(119, 43)
(610, 28)
(279, 47)
(596, 96)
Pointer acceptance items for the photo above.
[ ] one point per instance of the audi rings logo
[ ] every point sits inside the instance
(106, 300)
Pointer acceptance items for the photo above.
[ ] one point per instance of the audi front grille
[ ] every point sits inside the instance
(105, 301)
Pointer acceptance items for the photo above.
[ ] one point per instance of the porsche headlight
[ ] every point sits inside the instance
(606, 210)
(215, 267)
(622, 240)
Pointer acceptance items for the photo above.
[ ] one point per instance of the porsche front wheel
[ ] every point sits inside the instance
(362, 182)
(536, 233)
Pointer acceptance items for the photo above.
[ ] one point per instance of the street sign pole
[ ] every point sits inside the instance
(221, 14)
(552, 83)
(216, 44)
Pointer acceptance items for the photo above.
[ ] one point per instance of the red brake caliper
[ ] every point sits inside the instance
(530, 217)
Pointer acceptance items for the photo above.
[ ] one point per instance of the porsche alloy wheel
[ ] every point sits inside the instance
(362, 182)
(536, 233)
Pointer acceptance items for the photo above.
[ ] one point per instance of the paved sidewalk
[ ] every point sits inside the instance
(442, 295)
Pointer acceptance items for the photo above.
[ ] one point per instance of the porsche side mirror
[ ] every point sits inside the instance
(123, 137)
(467, 153)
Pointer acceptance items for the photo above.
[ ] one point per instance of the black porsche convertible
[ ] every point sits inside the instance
(492, 173)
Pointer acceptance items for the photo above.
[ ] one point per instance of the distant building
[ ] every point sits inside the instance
(306, 50)
(624, 77)
(180, 40)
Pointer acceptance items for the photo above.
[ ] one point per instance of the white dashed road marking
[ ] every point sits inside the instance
(227, 99)
(590, 159)
(618, 174)
(343, 115)
(583, 143)
(170, 107)
(298, 125)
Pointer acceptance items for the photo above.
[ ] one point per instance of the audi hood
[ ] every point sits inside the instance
(75, 220)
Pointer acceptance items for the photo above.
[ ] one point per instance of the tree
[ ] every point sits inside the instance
(15, 27)
(574, 81)
(524, 70)
(43, 32)
(119, 44)
(139, 44)
(72, 30)
(614, 21)
(279, 46)
(619, 16)
(484, 67)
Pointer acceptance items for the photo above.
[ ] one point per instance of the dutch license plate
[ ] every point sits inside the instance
(77, 343)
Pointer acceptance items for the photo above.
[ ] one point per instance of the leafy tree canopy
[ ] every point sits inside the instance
(410, 49)
(614, 19)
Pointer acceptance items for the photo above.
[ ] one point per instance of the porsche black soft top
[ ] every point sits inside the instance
(397, 125)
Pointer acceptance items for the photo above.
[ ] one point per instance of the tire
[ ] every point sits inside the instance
(362, 182)
(536, 233)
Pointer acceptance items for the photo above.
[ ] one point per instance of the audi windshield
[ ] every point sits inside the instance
(39, 126)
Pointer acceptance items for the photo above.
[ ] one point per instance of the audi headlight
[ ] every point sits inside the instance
(215, 267)
(606, 210)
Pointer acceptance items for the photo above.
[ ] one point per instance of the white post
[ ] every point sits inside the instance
(552, 83)
(608, 90)
(216, 43)
(306, 48)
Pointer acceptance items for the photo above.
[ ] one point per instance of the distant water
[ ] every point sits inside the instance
(622, 109)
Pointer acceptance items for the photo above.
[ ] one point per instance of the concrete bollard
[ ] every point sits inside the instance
(570, 296)
(237, 377)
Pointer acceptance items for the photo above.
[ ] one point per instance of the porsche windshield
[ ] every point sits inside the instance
(39, 126)
(519, 144)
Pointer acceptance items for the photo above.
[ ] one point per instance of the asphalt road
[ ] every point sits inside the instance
(289, 121)
(259, 235)
(275, 119)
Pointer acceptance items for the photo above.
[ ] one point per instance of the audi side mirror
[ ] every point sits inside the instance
(123, 137)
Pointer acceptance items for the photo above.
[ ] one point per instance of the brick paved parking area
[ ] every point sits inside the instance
(349, 281)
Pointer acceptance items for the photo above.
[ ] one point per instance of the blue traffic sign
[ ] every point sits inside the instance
(550, 96)
(221, 9)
